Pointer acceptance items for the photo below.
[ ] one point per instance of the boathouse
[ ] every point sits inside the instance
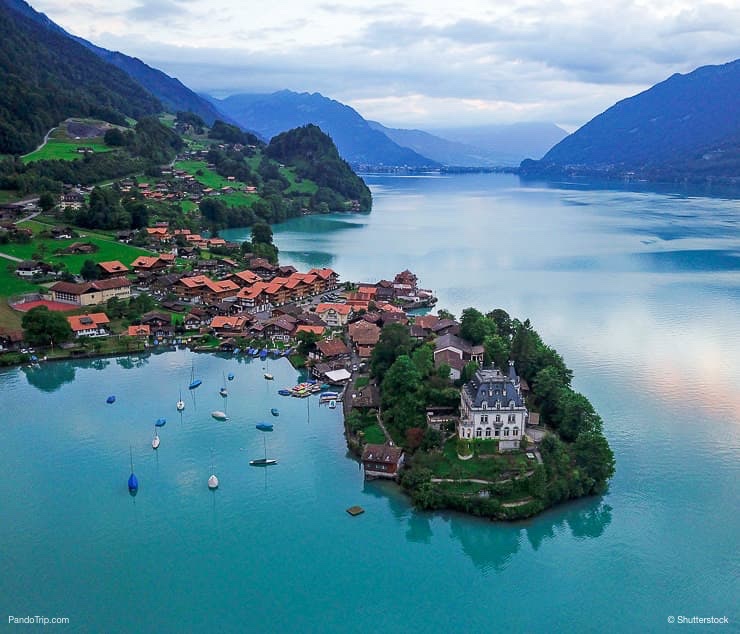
(382, 461)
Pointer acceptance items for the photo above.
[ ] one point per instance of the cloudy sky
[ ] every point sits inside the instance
(420, 63)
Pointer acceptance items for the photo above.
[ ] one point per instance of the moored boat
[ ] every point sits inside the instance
(274, 411)
(268, 376)
(155, 441)
(161, 422)
(284, 392)
(263, 462)
(264, 426)
(110, 399)
(219, 415)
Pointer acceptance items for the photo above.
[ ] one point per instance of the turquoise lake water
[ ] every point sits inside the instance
(639, 291)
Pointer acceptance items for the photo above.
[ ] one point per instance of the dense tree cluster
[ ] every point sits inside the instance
(43, 327)
(232, 134)
(315, 157)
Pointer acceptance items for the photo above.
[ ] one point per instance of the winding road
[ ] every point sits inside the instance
(43, 143)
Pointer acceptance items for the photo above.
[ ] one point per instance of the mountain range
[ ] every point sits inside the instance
(686, 127)
(357, 141)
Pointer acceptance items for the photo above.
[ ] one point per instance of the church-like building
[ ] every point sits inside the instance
(492, 408)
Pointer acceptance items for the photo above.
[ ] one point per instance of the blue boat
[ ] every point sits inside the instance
(161, 422)
(110, 399)
(236, 351)
(194, 384)
(264, 426)
(263, 354)
(274, 411)
(255, 352)
(284, 392)
(133, 482)
(230, 376)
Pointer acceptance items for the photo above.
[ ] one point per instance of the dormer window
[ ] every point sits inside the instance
(511, 404)
(485, 405)
(498, 404)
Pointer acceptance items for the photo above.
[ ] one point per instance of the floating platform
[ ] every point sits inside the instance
(355, 510)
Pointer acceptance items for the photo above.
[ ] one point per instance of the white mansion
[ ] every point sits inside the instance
(492, 408)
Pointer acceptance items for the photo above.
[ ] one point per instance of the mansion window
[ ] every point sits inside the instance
(497, 432)
(516, 431)
(488, 432)
(478, 432)
(506, 431)
(484, 418)
(512, 418)
(511, 405)
(498, 418)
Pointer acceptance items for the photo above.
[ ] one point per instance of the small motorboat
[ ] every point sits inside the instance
(110, 399)
(274, 411)
(263, 462)
(230, 376)
(263, 354)
(155, 441)
(269, 376)
(284, 392)
(236, 351)
(213, 482)
(223, 392)
(332, 404)
(264, 426)
(219, 415)
(161, 422)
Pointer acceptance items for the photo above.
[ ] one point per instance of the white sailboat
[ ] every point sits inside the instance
(155, 440)
(212, 479)
(223, 391)
(180, 403)
(263, 462)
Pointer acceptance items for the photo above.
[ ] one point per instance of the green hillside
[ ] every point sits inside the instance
(47, 77)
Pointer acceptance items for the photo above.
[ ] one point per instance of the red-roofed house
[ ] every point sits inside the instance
(148, 263)
(229, 326)
(317, 330)
(113, 268)
(140, 330)
(92, 325)
(334, 315)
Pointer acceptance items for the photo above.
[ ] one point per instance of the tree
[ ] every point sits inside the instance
(596, 460)
(468, 371)
(114, 137)
(43, 327)
(502, 320)
(306, 341)
(443, 313)
(497, 350)
(475, 327)
(423, 359)
(414, 436)
(394, 341)
(402, 395)
(47, 202)
(261, 233)
(89, 271)
(547, 387)
(575, 415)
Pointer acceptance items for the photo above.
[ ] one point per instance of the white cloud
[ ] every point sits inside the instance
(420, 61)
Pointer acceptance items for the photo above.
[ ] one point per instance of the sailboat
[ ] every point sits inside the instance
(212, 479)
(180, 404)
(193, 381)
(133, 482)
(263, 462)
(161, 422)
(155, 440)
(230, 376)
(223, 391)
(219, 415)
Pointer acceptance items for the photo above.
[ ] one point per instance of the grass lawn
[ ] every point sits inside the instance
(374, 435)
(362, 382)
(108, 249)
(240, 199)
(8, 195)
(208, 177)
(188, 206)
(10, 283)
(167, 120)
(60, 146)
(448, 465)
(303, 187)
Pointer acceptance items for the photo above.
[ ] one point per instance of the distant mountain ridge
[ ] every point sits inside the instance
(173, 94)
(686, 127)
(480, 146)
(357, 141)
